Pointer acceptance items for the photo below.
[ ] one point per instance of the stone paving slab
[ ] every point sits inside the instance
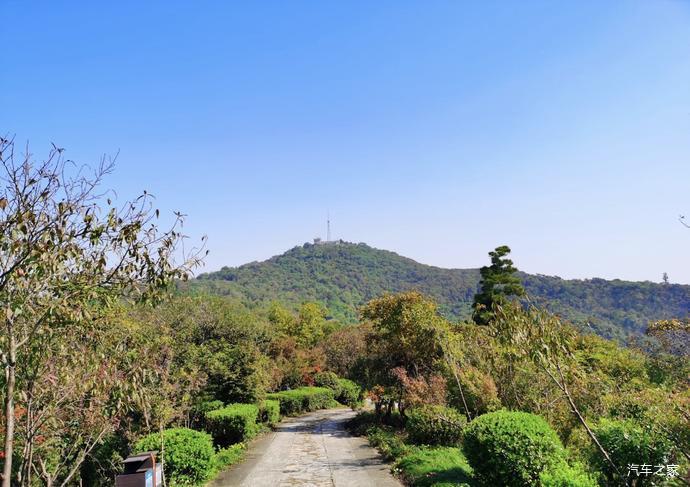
(311, 451)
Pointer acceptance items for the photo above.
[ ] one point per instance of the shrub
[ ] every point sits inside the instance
(329, 380)
(511, 448)
(199, 410)
(206, 406)
(350, 393)
(435, 425)
(629, 443)
(233, 424)
(297, 401)
(188, 454)
(345, 391)
(269, 411)
(564, 475)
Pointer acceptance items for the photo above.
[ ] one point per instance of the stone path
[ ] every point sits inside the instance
(310, 451)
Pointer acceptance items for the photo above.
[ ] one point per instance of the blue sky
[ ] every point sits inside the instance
(438, 130)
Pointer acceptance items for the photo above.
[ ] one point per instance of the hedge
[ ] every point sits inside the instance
(328, 380)
(188, 454)
(511, 448)
(349, 394)
(269, 411)
(345, 391)
(303, 399)
(234, 423)
(199, 410)
(435, 425)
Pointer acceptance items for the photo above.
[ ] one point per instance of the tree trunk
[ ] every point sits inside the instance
(10, 376)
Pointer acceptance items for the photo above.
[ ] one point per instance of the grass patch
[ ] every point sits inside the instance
(435, 467)
(225, 457)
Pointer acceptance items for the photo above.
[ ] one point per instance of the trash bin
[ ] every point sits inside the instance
(141, 470)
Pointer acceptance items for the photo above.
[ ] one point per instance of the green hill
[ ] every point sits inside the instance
(343, 276)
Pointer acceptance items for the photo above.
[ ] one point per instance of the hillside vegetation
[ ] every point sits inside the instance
(344, 276)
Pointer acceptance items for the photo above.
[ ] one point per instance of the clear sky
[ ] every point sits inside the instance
(438, 130)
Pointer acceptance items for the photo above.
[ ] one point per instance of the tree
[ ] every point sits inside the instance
(673, 335)
(498, 283)
(665, 278)
(404, 343)
(68, 254)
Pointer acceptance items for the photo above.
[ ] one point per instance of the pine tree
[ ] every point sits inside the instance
(498, 283)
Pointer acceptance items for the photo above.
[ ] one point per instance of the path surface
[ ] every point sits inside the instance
(311, 451)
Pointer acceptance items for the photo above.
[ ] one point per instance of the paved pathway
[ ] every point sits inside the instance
(310, 451)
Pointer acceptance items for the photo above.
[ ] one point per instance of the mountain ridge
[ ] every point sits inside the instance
(344, 275)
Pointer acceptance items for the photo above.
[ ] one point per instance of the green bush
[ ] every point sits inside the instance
(329, 380)
(304, 399)
(199, 410)
(188, 454)
(345, 391)
(349, 394)
(564, 475)
(233, 424)
(629, 443)
(206, 406)
(435, 425)
(269, 411)
(511, 448)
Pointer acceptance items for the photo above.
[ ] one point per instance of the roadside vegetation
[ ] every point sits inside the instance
(520, 397)
(103, 358)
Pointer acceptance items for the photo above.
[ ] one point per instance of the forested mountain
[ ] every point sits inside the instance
(344, 276)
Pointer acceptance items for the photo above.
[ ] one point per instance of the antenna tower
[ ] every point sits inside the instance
(328, 227)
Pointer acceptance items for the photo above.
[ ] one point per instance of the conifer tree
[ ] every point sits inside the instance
(498, 283)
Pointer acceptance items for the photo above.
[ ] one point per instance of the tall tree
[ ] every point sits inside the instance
(67, 254)
(498, 284)
(405, 341)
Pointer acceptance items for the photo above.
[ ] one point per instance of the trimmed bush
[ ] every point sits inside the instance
(435, 425)
(349, 394)
(188, 454)
(206, 406)
(234, 423)
(304, 399)
(345, 391)
(629, 443)
(199, 410)
(269, 411)
(329, 380)
(511, 448)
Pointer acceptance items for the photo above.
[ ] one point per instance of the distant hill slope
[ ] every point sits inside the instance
(344, 276)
